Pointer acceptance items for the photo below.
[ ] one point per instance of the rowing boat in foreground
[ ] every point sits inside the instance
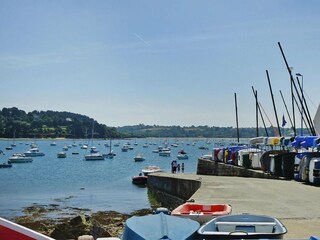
(201, 213)
(244, 226)
(11, 230)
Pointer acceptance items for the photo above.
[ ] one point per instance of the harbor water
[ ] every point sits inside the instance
(72, 182)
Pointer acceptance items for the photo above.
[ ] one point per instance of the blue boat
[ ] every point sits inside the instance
(160, 226)
(306, 142)
(309, 141)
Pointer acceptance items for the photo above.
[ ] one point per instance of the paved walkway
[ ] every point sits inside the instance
(296, 204)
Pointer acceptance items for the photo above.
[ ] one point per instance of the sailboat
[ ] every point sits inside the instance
(111, 154)
(13, 144)
(94, 153)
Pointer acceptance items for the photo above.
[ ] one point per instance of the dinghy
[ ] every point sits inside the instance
(159, 226)
(140, 180)
(245, 226)
(201, 213)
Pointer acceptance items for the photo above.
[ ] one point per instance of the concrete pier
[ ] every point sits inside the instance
(296, 204)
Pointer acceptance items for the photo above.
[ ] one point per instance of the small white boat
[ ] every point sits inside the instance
(84, 146)
(19, 158)
(244, 226)
(182, 155)
(61, 155)
(139, 158)
(165, 152)
(158, 149)
(94, 155)
(111, 154)
(125, 148)
(34, 152)
(151, 169)
(53, 144)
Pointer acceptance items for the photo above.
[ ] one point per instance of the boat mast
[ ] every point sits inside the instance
(291, 83)
(300, 110)
(303, 110)
(258, 106)
(307, 113)
(274, 106)
(236, 107)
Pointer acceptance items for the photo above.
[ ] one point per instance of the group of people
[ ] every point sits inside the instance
(175, 166)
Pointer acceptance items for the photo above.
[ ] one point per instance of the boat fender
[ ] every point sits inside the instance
(190, 200)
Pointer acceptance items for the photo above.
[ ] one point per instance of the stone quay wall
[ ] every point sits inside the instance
(171, 191)
(209, 167)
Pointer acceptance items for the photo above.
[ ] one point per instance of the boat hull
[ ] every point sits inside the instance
(159, 226)
(182, 156)
(140, 180)
(151, 169)
(201, 213)
(20, 160)
(245, 226)
(5, 165)
(61, 155)
(10, 230)
(93, 157)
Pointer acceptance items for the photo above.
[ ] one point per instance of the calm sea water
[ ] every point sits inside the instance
(76, 183)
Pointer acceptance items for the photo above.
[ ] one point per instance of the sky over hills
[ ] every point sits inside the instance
(157, 62)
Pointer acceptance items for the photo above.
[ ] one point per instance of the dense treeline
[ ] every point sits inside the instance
(142, 130)
(52, 124)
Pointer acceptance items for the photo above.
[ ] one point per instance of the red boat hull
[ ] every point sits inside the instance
(139, 180)
(12, 231)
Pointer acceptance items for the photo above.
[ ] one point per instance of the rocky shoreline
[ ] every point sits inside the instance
(70, 223)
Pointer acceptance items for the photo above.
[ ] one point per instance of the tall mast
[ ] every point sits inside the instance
(236, 106)
(291, 83)
(255, 93)
(274, 106)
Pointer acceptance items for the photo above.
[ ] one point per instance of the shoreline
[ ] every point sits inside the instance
(40, 218)
(59, 222)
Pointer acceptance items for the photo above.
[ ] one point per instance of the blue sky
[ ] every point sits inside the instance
(157, 62)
